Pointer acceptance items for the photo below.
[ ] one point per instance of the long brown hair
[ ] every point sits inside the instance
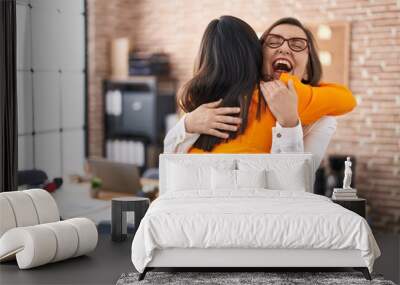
(228, 67)
(314, 68)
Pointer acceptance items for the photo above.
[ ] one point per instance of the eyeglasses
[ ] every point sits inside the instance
(295, 44)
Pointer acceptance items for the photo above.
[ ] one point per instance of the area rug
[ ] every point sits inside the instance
(243, 278)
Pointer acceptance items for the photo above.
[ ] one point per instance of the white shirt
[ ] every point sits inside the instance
(313, 138)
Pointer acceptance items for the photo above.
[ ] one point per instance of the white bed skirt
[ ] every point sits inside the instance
(193, 257)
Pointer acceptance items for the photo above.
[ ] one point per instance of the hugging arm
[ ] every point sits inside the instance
(207, 119)
(327, 99)
(178, 140)
(317, 137)
(313, 138)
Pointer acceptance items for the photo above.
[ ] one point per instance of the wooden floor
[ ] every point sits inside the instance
(103, 266)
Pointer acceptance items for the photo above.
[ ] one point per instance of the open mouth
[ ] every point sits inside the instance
(282, 65)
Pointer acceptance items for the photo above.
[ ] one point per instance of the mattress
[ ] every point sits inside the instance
(251, 219)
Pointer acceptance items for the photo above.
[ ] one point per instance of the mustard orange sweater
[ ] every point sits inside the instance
(313, 103)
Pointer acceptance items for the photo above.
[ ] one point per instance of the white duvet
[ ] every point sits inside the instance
(251, 218)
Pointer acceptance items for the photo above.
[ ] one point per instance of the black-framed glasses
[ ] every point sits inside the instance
(295, 44)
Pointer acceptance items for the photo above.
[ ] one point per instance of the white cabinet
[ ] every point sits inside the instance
(45, 35)
(46, 95)
(51, 86)
(73, 152)
(48, 153)
(72, 99)
(24, 48)
(25, 152)
(24, 102)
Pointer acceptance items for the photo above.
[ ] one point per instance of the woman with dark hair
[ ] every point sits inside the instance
(228, 67)
(228, 73)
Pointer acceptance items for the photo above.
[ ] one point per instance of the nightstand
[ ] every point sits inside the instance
(356, 205)
(119, 207)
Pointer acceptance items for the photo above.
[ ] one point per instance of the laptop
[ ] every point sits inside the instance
(116, 176)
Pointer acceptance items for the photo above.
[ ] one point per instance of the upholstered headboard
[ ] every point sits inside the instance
(287, 170)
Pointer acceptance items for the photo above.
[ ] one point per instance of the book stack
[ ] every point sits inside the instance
(142, 63)
(344, 194)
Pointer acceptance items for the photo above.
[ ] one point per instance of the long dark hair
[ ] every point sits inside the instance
(314, 68)
(228, 66)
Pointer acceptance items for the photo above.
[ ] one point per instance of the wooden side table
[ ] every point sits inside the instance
(358, 205)
(119, 207)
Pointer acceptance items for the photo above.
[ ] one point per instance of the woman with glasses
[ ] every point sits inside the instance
(226, 111)
(290, 47)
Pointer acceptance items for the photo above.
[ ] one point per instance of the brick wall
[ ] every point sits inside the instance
(106, 20)
(371, 132)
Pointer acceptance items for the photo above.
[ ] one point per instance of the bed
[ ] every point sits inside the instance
(247, 210)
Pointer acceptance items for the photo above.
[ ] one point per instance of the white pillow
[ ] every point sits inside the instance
(281, 174)
(183, 177)
(235, 179)
(251, 178)
(293, 180)
(194, 174)
(223, 179)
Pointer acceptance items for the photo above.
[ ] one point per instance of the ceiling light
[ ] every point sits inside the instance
(325, 57)
(324, 32)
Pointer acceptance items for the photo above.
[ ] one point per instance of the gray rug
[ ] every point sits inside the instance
(230, 278)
